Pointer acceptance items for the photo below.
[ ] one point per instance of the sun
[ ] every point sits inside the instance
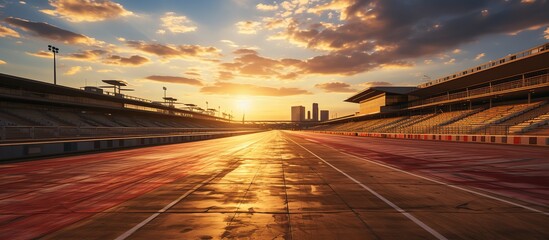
(243, 104)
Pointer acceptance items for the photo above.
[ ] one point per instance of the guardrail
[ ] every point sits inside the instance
(536, 81)
(488, 65)
(19, 133)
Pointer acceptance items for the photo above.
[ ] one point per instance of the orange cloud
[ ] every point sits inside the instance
(249, 63)
(45, 30)
(174, 51)
(225, 88)
(2, 62)
(173, 79)
(86, 10)
(176, 24)
(248, 27)
(8, 32)
(337, 87)
(134, 60)
(41, 54)
(266, 7)
(86, 55)
(375, 84)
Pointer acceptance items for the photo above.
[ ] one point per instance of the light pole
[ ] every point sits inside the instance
(164, 93)
(54, 50)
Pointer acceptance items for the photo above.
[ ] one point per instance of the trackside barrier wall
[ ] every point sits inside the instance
(497, 139)
(10, 151)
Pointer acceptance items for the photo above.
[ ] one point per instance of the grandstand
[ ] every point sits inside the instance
(32, 109)
(501, 97)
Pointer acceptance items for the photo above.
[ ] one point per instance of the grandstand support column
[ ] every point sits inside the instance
(523, 82)
(471, 104)
(529, 97)
(490, 102)
(447, 95)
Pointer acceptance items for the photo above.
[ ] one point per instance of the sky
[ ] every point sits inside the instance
(262, 57)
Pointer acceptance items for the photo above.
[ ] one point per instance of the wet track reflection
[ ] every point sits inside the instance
(275, 185)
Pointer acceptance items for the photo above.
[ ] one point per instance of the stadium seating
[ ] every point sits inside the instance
(521, 118)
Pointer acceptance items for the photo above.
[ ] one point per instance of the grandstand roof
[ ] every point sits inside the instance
(508, 68)
(374, 91)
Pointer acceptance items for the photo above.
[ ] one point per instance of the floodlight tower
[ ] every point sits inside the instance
(54, 50)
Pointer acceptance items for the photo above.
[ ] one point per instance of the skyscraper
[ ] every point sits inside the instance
(315, 112)
(324, 115)
(308, 115)
(298, 113)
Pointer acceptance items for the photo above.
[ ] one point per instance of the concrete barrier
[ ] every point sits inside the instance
(494, 139)
(12, 151)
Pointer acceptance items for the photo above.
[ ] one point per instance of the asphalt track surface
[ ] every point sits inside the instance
(282, 185)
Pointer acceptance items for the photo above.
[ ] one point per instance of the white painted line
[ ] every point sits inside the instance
(394, 206)
(152, 217)
(445, 184)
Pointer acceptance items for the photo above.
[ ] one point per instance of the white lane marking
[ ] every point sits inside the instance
(311, 140)
(394, 206)
(152, 217)
(445, 184)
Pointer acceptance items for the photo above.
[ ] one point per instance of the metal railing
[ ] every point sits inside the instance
(17, 133)
(493, 89)
(488, 65)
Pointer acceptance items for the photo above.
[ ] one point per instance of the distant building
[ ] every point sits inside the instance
(298, 113)
(308, 115)
(315, 112)
(324, 115)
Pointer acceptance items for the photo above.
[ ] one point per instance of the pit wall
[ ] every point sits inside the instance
(494, 139)
(13, 151)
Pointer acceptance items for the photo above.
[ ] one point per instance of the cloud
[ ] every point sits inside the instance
(134, 60)
(86, 55)
(73, 70)
(2, 61)
(41, 54)
(451, 61)
(546, 33)
(248, 27)
(176, 24)
(230, 43)
(266, 7)
(86, 10)
(249, 63)
(479, 56)
(375, 84)
(8, 32)
(174, 51)
(337, 87)
(45, 30)
(173, 79)
(375, 32)
(224, 75)
(226, 88)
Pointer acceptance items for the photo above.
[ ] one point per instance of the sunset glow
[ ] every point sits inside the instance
(276, 53)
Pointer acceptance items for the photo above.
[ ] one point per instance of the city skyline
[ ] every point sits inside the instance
(258, 58)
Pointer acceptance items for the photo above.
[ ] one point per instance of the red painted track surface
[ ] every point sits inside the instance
(287, 185)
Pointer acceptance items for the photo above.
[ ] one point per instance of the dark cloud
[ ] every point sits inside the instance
(134, 60)
(391, 32)
(86, 11)
(45, 30)
(226, 88)
(86, 55)
(173, 79)
(335, 87)
(174, 51)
